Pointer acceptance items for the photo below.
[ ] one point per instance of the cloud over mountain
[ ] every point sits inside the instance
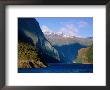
(67, 30)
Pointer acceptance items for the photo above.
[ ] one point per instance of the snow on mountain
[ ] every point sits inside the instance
(58, 34)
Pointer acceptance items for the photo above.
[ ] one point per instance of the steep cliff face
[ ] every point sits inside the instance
(30, 32)
(85, 56)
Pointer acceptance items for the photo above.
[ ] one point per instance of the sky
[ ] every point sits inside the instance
(73, 26)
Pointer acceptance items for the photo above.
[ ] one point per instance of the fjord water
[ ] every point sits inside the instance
(60, 68)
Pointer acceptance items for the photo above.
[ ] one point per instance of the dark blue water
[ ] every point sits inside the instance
(60, 68)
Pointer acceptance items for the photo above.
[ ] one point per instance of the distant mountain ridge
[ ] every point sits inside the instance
(49, 33)
(61, 39)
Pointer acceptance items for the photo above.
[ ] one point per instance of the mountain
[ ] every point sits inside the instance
(67, 45)
(62, 39)
(90, 38)
(29, 32)
(85, 55)
(51, 34)
(69, 52)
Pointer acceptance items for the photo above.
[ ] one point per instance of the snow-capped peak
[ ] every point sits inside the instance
(61, 34)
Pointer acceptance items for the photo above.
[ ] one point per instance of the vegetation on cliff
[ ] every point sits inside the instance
(28, 56)
(85, 55)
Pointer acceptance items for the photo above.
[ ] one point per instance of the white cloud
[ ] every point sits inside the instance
(68, 29)
(82, 24)
(71, 27)
(45, 28)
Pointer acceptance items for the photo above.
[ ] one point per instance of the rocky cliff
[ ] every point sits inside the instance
(85, 56)
(29, 32)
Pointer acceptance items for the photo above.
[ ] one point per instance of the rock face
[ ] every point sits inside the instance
(30, 32)
(85, 56)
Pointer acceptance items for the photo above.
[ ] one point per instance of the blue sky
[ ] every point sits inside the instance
(75, 26)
